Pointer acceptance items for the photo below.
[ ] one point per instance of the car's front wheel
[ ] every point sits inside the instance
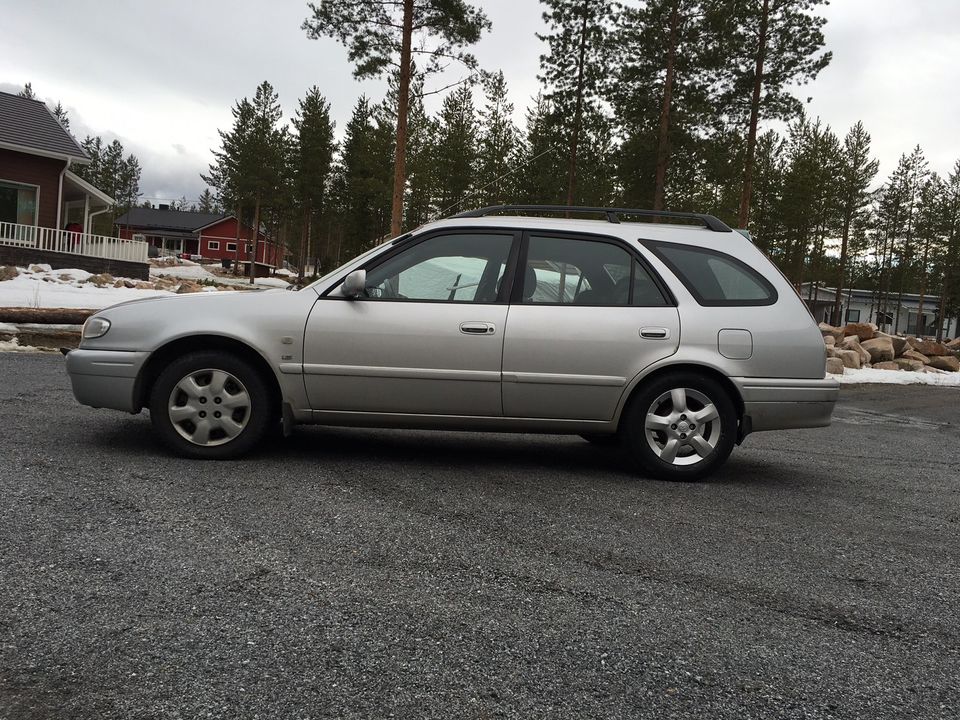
(681, 426)
(210, 405)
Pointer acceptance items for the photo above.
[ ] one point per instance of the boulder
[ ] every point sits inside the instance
(101, 280)
(952, 345)
(880, 349)
(945, 362)
(929, 347)
(8, 272)
(849, 358)
(188, 287)
(863, 331)
(853, 343)
(899, 343)
(912, 354)
(908, 364)
(118, 284)
(831, 351)
(825, 330)
(835, 366)
(829, 340)
(886, 365)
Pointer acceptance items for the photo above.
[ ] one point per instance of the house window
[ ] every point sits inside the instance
(231, 247)
(884, 318)
(853, 316)
(248, 247)
(213, 244)
(18, 203)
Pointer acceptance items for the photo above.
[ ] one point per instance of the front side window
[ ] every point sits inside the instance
(18, 204)
(715, 278)
(569, 271)
(213, 244)
(459, 267)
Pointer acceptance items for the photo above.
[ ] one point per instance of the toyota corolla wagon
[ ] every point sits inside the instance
(675, 340)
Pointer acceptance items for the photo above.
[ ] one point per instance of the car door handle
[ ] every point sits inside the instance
(655, 333)
(478, 328)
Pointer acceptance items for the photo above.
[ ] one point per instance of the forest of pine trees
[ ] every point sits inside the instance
(662, 104)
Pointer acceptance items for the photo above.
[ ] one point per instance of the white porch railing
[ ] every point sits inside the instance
(63, 241)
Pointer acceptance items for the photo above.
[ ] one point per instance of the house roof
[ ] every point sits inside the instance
(168, 219)
(28, 126)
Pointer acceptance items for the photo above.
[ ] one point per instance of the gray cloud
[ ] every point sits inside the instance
(164, 80)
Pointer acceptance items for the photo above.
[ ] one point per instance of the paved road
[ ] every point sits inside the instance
(369, 574)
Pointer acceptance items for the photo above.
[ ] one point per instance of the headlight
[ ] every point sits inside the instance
(95, 327)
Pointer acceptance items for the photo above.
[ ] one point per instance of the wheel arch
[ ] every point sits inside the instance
(165, 354)
(640, 382)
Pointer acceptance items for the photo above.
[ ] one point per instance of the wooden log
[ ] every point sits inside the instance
(46, 316)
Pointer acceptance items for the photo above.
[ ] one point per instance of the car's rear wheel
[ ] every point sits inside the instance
(681, 426)
(210, 405)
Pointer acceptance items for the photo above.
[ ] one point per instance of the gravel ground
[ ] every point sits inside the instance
(372, 574)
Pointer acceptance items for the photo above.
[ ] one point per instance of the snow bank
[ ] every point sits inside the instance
(897, 377)
(63, 288)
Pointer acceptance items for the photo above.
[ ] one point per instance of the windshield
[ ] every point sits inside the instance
(361, 256)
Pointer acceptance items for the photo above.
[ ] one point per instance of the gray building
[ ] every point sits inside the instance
(900, 315)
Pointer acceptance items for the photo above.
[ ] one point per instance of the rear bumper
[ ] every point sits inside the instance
(105, 378)
(780, 404)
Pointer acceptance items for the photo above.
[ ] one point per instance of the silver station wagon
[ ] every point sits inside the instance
(673, 339)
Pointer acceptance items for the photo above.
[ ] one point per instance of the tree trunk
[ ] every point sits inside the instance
(578, 109)
(403, 104)
(663, 150)
(255, 240)
(236, 244)
(923, 285)
(842, 265)
(745, 195)
(304, 239)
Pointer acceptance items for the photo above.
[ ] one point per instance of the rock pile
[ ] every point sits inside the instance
(862, 345)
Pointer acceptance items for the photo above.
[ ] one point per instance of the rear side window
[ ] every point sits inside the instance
(715, 278)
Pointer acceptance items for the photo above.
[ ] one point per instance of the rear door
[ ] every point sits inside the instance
(586, 316)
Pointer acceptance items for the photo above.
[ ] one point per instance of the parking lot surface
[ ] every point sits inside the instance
(367, 574)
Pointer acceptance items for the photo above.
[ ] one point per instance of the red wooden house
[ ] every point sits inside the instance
(198, 236)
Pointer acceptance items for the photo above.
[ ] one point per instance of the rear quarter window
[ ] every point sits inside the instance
(714, 278)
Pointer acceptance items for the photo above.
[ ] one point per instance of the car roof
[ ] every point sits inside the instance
(630, 230)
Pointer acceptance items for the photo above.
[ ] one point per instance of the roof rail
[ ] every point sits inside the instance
(612, 214)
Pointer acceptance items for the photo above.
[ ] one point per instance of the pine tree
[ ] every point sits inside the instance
(207, 202)
(380, 35)
(538, 159)
(498, 137)
(455, 150)
(667, 60)
(857, 173)
(575, 67)
(779, 43)
(312, 162)
(27, 92)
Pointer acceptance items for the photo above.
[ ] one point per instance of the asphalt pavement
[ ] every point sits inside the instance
(348, 573)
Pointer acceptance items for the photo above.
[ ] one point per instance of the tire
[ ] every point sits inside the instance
(607, 440)
(662, 439)
(190, 392)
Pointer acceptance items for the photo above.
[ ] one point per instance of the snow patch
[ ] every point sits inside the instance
(14, 346)
(8, 328)
(897, 377)
(63, 288)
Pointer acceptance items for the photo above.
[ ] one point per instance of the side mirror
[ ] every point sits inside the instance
(354, 284)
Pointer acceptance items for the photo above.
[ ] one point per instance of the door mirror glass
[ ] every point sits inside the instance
(354, 285)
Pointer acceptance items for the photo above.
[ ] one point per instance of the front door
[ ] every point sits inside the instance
(589, 318)
(427, 338)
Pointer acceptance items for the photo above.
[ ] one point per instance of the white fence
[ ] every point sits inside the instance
(63, 241)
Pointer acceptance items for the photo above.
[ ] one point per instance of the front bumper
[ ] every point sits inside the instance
(106, 378)
(784, 403)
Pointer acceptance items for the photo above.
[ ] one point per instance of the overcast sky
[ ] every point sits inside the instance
(162, 77)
